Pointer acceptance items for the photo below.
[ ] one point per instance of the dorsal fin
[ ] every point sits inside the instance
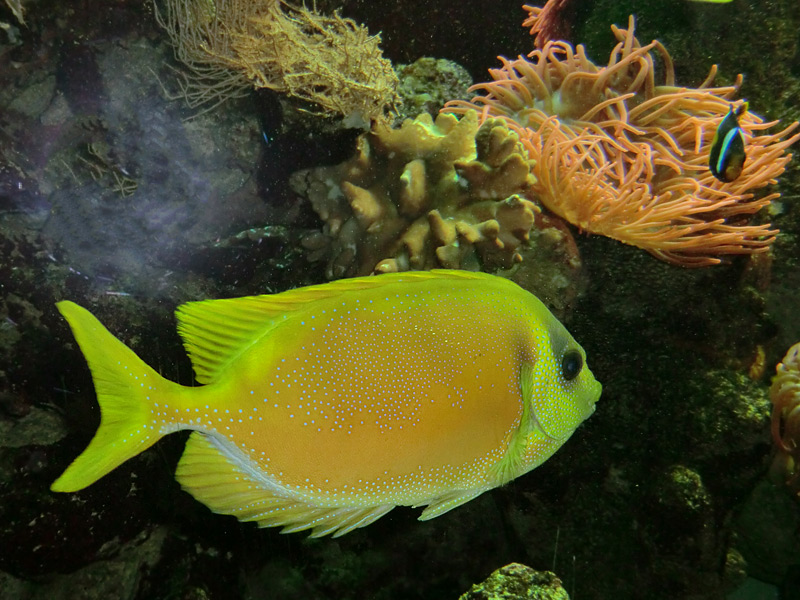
(216, 332)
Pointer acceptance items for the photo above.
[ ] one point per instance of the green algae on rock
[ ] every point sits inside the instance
(518, 582)
(427, 83)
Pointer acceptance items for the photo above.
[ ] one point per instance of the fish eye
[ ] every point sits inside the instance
(571, 364)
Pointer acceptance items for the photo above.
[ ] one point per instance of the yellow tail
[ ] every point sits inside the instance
(126, 391)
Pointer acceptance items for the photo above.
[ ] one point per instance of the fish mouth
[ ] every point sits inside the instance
(597, 390)
(592, 396)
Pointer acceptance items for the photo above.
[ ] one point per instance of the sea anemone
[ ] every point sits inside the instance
(619, 155)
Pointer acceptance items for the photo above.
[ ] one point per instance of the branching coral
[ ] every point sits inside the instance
(443, 194)
(785, 396)
(619, 155)
(231, 46)
(16, 8)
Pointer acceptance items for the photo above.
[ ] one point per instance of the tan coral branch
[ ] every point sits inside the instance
(444, 194)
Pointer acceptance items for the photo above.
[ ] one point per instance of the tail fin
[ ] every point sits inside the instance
(124, 386)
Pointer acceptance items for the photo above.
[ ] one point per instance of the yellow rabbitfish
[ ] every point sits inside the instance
(325, 407)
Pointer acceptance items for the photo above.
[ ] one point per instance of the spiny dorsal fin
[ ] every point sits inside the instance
(216, 481)
(216, 332)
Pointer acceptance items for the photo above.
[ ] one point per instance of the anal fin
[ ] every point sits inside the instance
(227, 488)
(447, 502)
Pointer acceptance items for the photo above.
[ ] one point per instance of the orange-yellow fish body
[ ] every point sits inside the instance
(325, 407)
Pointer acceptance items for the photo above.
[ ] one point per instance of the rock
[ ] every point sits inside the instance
(518, 582)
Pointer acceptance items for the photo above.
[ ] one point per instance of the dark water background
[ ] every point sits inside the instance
(663, 493)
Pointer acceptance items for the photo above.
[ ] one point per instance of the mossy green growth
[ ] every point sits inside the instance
(729, 410)
(427, 83)
(518, 582)
(685, 487)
